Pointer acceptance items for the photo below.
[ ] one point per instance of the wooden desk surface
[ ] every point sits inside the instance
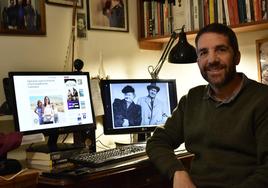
(138, 172)
(27, 179)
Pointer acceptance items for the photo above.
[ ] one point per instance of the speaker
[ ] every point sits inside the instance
(86, 138)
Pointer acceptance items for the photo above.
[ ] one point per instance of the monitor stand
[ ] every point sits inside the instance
(53, 146)
(140, 138)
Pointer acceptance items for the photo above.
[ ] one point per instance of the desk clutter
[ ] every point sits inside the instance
(55, 162)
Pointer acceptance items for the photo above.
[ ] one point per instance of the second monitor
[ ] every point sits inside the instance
(137, 105)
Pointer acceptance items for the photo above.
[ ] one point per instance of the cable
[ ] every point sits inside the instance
(99, 136)
(107, 147)
(15, 175)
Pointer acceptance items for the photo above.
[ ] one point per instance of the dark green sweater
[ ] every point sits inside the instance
(230, 141)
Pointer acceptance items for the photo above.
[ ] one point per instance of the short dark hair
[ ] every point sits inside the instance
(220, 29)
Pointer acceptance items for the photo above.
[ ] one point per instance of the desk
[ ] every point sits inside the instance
(27, 179)
(134, 173)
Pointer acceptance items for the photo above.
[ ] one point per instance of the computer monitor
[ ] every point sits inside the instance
(153, 102)
(51, 103)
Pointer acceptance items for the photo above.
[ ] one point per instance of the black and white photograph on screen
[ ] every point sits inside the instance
(136, 104)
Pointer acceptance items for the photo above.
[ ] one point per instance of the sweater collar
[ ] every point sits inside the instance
(208, 90)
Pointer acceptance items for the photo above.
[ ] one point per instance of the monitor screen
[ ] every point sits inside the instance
(137, 105)
(51, 102)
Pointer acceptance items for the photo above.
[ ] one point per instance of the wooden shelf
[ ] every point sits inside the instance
(6, 118)
(157, 42)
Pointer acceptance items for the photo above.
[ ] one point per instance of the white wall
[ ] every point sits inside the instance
(122, 57)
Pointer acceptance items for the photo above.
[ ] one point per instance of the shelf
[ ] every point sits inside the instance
(6, 118)
(157, 43)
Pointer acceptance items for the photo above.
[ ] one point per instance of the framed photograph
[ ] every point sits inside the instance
(22, 17)
(109, 15)
(262, 60)
(67, 3)
(81, 25)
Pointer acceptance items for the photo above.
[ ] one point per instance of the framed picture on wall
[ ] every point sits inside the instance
(67, 3)
(109, 15)
(262, 60)
(22, 17)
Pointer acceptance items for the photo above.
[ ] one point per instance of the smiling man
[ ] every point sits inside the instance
(224, 124)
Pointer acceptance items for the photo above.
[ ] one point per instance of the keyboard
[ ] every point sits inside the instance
(101, 158)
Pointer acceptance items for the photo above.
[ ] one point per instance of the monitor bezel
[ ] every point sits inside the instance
(107, 104)
(50, 131)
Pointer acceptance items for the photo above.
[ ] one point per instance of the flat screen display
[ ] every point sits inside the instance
(137, 105)
(50, 102)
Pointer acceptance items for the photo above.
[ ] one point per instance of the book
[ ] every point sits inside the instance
(46, 168)
(264, 9)
(45, 162)
(179, 16)
(248, 11)
(196, 14)
(242, 12)
(52, 155)
(206, 12)
(233, 12)
(226, 11)
(220, 11)
(257, 9)
(211, 11)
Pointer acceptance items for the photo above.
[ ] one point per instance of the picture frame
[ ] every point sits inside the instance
(65, 3)
(262, 60)
(107, 15)
(20, 18)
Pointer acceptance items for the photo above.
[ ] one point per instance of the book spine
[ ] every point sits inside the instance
(242, 12)
(146, 18)
(264, 9)
(257, 14)
(235, 12)
(226, 10)
(248, 11)
(201, 13)
(211, 11)
(206, 12)
(220, 11)
(196, 14)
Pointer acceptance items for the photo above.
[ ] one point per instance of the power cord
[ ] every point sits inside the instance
(15, 175)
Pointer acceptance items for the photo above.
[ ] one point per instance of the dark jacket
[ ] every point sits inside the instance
(132, 113)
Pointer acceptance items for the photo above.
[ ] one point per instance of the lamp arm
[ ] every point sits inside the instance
(154, 71)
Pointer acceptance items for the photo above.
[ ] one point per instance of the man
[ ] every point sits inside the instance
(114, 10)
(224, 124)
(152, 108)
(126, 112)
(12, 15)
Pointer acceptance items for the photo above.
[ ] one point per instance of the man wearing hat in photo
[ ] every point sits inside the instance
(152, 109)
(126, 112)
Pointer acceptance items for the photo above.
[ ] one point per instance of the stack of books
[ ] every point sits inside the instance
(50, 161)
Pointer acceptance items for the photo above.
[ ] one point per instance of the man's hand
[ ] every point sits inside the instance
(182, 180)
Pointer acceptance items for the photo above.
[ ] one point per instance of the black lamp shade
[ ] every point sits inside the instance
(182, 52)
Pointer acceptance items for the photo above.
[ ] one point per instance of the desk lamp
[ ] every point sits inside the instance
(181, 53)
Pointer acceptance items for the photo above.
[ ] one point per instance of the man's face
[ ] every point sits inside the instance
(129, 97)
(216, 59)
(152, 92)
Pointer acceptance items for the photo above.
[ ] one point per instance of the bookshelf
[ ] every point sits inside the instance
(157, 42)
